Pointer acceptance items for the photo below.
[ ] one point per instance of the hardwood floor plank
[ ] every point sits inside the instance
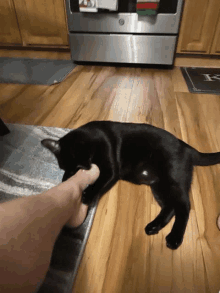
(10, 92)
(77, 106)
(179, 83)
(167, 98)
(205, 187)
(22, 103)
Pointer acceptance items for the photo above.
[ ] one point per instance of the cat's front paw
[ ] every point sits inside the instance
(173, 241)
(86, 199)
(88, 195)
(152, 229)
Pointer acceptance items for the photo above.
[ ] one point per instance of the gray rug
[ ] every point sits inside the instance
(26, 168)
(202, 80)
(34, 71)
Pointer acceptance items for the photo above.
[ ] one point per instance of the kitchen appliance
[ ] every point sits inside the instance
(123, 36)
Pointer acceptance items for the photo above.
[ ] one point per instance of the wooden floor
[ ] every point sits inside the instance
(119, 256)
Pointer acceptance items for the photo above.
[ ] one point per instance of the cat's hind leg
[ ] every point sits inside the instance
(173, 201)
(166, 213)
(182, 210)
(160, 221)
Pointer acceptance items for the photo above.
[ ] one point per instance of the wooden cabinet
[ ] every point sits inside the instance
(41, 22)
(198, 27)
(9, 30)
(215, 49)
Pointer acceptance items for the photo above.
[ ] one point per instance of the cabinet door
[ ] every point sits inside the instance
(216, 42)
(42, 22)
(9, 31)
(198, 26)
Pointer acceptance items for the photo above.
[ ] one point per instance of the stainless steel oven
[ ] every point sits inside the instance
(124, 36)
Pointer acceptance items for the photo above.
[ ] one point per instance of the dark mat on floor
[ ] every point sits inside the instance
(34, 71)
(202, 80)
(26, 168)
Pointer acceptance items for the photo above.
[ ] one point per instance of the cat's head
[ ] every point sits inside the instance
(71, 156)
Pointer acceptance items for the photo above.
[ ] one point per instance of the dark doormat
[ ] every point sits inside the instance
(34, 71)
(27, 168)
(202, 80)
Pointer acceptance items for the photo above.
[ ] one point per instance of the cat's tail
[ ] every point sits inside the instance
(204, 159)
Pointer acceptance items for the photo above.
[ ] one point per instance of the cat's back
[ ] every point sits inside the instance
(124, 127)
(124, 133)
(132, 130)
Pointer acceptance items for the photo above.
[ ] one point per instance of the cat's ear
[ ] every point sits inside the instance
(52, 145)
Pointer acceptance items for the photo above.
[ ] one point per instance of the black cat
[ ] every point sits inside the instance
(138, 153)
